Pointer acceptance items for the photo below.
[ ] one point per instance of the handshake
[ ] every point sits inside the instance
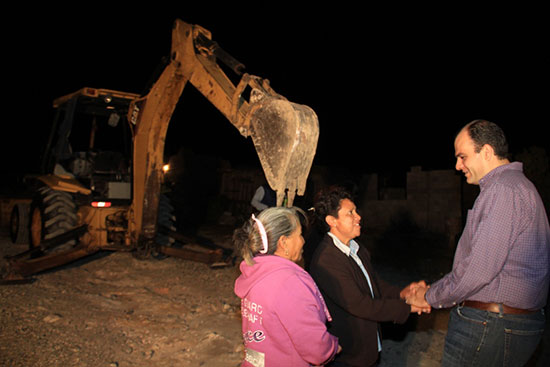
(414, 295)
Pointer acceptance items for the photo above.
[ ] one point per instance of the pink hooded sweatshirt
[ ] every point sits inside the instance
(283, 315)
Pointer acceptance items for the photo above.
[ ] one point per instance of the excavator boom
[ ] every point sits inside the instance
(284, 134)
(68, 220)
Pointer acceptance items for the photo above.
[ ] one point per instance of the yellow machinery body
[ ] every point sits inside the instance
(284, 135)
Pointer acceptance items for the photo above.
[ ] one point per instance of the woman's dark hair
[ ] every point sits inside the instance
(328, 202)
(485, 132)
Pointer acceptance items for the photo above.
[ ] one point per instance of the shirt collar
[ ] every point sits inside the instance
(488, 178)
(348, 250)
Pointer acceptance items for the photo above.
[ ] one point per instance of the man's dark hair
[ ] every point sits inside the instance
(485, 132)
(328, 202)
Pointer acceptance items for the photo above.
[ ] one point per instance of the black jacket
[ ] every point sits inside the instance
(355, 314)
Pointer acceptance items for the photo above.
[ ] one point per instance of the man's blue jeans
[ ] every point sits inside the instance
(482, 338)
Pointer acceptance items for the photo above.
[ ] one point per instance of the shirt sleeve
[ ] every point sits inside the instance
(257, 198)
(300, 313)
(491, 228)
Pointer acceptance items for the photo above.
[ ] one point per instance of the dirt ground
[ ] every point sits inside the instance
(115, 310)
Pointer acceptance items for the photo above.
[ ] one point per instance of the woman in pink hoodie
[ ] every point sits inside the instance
(283, 312)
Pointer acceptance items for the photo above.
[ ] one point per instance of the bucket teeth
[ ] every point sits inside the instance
(285, 136)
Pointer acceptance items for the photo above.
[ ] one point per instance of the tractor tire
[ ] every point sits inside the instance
(52, 213)
(166, 218)
(19, 223)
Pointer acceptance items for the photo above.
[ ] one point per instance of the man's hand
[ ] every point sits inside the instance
(416, 297)
(408, 290)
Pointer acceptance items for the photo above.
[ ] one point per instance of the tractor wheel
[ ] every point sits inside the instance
(166, 218)
(52, 213)
(19, 223)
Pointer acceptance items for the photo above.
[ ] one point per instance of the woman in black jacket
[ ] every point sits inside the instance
(357, 299)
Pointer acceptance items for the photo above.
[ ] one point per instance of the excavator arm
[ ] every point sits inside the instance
(284, 134)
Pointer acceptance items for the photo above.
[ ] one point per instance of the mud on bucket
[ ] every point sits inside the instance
(285, 136)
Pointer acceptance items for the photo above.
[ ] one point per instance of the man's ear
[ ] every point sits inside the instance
(487, 152)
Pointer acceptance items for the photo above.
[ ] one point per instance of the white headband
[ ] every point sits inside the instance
(263, 234)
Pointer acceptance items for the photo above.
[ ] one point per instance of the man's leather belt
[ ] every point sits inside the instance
(495, 307)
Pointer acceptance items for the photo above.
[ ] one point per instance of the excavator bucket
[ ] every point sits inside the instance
(285, 136)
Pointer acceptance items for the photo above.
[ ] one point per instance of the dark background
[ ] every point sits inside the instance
(391, 87)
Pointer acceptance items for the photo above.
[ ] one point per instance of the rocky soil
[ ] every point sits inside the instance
(113, 309)
(116, 310)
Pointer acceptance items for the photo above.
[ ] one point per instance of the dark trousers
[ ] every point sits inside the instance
(342, 364)
(338, 364)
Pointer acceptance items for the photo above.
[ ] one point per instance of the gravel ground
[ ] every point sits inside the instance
(115, 310)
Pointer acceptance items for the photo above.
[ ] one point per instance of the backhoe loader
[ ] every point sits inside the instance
(92, 198)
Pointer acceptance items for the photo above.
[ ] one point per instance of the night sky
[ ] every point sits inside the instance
(391, 87)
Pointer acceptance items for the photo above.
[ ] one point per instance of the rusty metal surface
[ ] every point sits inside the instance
(25, 267)
(23, 264)
(285, 136)
(64, 183)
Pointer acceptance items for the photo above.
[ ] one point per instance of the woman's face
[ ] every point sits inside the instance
(347, 225)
